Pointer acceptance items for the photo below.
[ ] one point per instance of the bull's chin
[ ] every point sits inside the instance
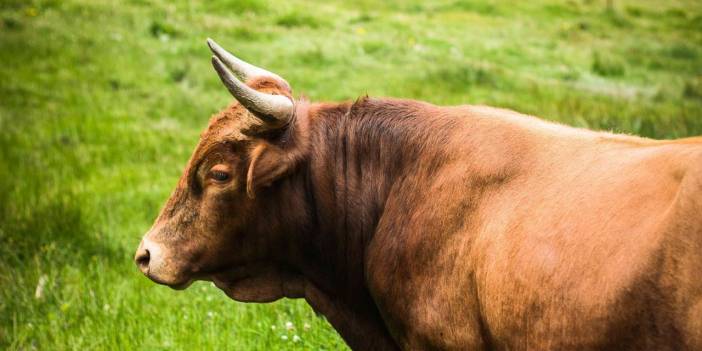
(180, 286)
(175, 284)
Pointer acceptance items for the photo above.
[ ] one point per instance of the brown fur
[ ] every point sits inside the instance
(414, 226)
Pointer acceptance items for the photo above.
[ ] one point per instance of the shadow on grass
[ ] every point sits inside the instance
(53, 231)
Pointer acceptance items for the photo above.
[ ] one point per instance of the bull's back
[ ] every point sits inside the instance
(581, 250)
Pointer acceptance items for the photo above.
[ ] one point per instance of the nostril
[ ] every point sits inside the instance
(143, 260)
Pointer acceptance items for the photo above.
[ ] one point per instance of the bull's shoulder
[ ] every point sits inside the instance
(681, 158)
(688, 206)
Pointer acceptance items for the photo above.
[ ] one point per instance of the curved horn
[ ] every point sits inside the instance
(277, 107)
(241, 68)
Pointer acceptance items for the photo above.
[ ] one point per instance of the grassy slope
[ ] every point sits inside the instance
(101, 104)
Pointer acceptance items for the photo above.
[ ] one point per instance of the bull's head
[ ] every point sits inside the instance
(212, 224)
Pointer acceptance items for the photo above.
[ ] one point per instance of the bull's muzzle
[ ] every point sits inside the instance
(148, 257)
(142, 258)
(152, 261)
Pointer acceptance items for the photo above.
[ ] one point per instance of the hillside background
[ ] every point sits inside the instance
(101, 103)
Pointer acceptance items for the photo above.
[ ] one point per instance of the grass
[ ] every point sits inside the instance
(102, 102)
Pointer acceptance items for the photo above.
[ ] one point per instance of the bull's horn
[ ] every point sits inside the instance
(241, 68)
(273, 108)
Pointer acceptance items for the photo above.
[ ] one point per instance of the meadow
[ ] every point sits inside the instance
(101, 103)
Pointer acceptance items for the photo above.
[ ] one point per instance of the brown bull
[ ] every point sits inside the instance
(414, 226)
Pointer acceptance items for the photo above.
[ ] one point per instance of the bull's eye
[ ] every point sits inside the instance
(219, 175)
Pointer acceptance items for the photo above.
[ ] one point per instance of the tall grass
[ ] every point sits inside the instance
(102, 102)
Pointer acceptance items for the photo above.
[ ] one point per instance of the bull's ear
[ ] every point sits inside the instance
(268, 164)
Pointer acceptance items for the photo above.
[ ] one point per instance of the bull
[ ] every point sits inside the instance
(413, 226)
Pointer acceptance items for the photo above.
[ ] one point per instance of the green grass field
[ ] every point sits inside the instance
(102, 102)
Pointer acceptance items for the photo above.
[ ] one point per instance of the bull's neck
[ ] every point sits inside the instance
(358, 153)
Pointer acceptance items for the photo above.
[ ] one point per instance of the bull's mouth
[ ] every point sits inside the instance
(183, 280)
(177, 285)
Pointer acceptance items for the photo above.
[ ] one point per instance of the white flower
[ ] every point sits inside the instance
(289, 326)
(210, 314)
(284, 337)
(296, 338)
(39, 292)
(306, 326)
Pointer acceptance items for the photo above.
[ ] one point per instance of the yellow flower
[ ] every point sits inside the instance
(30, 11)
